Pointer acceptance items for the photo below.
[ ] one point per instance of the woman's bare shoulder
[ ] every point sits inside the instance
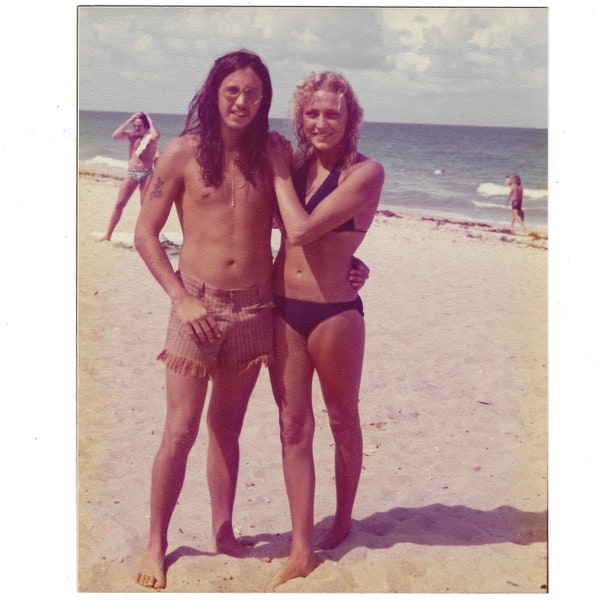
(365, 161)
(366, 168)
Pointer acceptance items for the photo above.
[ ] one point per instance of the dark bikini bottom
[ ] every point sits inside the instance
(304, 316)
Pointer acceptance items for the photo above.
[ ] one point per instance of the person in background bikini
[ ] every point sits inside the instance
(143, 137)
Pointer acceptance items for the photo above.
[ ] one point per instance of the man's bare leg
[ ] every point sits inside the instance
(185, 401)
(228, 403)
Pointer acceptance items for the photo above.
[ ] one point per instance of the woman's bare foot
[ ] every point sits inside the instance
(335, 536)
(295, 567)
(151, 572)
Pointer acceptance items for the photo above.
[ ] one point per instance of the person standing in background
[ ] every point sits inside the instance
(143, 140)
(515, 197)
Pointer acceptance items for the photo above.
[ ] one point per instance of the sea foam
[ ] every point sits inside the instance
(493, 189)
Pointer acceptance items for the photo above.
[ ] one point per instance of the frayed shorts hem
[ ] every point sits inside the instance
(187, 366)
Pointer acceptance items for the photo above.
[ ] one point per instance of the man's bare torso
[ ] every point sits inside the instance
(226, 230)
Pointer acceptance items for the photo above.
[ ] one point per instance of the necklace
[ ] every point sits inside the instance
(234, 187)
(233, 180)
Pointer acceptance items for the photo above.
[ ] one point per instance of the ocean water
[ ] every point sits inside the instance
(444, 171)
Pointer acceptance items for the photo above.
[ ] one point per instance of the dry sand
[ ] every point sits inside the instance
(453, 495)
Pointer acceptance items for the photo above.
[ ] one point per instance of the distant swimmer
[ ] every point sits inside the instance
(439, 172)
(507, 180)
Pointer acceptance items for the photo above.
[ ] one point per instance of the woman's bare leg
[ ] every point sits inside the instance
(128, 186)
(228, 403)
(337, 349)
(144, 187)
(291, 379)
(185, 401)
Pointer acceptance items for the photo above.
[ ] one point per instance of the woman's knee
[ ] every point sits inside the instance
(125, 193)
(345, 423)
(123, 199)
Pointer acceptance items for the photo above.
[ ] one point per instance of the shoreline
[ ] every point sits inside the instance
(471, 228)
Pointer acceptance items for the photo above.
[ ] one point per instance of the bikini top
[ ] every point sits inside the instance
(330, 183)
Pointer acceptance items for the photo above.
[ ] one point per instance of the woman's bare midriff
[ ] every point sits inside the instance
(317, 272)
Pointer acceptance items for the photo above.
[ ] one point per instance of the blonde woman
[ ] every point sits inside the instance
(327, 195)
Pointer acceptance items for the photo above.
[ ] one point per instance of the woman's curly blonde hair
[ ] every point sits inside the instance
(328, 81)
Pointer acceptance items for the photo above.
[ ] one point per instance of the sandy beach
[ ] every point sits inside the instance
(453, 495)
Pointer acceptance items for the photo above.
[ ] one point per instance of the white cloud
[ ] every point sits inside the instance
(143, 42)
(407, 53)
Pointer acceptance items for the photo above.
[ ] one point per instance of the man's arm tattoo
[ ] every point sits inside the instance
(156, 189)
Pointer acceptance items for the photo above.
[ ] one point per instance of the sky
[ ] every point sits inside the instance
(458, 66)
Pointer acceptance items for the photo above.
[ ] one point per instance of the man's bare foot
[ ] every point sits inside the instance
(104, 238)
(335, 536)
(151, 573)
(230, 546)
(300, 567)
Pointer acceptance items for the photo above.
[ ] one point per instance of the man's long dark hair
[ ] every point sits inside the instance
(204, 119)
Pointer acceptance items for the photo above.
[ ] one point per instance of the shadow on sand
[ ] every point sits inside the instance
(434, 525)
(182, 551)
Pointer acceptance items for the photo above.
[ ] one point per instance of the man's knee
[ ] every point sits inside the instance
(298, 431)
(225, 426)
(180, 437)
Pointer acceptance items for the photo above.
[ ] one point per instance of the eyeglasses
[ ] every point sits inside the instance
(233, 92)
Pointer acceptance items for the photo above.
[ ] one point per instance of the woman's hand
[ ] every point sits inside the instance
(280, 154)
